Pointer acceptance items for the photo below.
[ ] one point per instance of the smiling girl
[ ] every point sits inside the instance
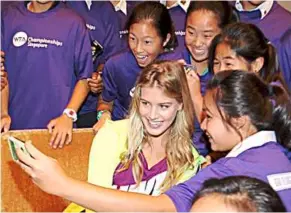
(205, 19)
(151, 36)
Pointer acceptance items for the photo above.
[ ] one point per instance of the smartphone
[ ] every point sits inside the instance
(96, 48)
(15, 143)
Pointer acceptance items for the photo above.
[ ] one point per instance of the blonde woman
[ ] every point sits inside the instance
(152, 150)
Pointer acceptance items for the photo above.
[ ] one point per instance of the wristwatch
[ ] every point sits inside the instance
(71, 114)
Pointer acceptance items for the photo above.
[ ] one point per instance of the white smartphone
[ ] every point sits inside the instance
(15, 143)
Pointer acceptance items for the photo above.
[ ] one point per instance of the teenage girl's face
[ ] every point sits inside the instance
(157, 110)
(144, 42)
(201, 28)
(222, 136)
(227, 59)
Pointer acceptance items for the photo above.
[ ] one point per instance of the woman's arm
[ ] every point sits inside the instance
(103, 199)
(49, 176)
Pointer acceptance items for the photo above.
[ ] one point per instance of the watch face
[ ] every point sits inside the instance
(71, 114)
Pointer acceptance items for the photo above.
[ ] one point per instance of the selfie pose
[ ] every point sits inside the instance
(243, 116)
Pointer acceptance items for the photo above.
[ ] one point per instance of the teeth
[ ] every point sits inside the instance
(155, 123)
(141, 57)
(199, 51)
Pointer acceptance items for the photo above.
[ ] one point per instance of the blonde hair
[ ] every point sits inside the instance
(171, 78)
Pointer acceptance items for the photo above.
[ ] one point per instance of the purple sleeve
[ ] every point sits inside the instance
(2, 34)
(83, 62)
(285, 57)
(183, 194)
(110, 89)
(112, 43)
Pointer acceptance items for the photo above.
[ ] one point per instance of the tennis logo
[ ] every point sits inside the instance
(19, 39)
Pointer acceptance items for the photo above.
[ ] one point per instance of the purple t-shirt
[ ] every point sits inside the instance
(119, 76)
(45, 54)
(284, 55)
(199, 139)
(123, 19)
(151, 181)
(254, 162)
(178, 16)
(274, 25)
(104, 28)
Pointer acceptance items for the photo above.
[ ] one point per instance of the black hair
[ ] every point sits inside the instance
(240, 93)
(246, 194)
(160, 18)
(249, 42)
(224, 12)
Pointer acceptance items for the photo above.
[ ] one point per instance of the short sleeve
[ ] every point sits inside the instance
(109, 92)
(82, 53)
(183, 194)
(284, 54)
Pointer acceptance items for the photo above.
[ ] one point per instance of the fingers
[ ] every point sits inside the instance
(33, 151)
(26, 168)
(96, 127)
(62, 140)
(69, 138)
(95, 75)
(208, 159)
(57, 138)
(51, 125)
(61, 131)
(95, 85)
(192, 73)
(182, 61)
(5, 125)
(24, 158)
(99, 124)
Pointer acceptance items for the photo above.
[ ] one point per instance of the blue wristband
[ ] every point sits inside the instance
(100, 113)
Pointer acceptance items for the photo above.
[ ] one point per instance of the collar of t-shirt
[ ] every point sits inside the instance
(184, 4)
(89, 3)
(264, 8)
(256, 140)
(122, 6)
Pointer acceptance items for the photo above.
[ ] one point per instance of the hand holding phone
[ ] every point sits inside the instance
(14, 144)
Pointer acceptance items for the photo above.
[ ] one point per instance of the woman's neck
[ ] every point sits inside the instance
(201, 66)
(37, 7)
(154, 151)
(249, 6)
(170, 3)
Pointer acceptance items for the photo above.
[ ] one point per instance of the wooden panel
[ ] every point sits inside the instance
(18, 193)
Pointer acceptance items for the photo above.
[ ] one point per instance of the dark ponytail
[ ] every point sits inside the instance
(281, 122)
(241, 93)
